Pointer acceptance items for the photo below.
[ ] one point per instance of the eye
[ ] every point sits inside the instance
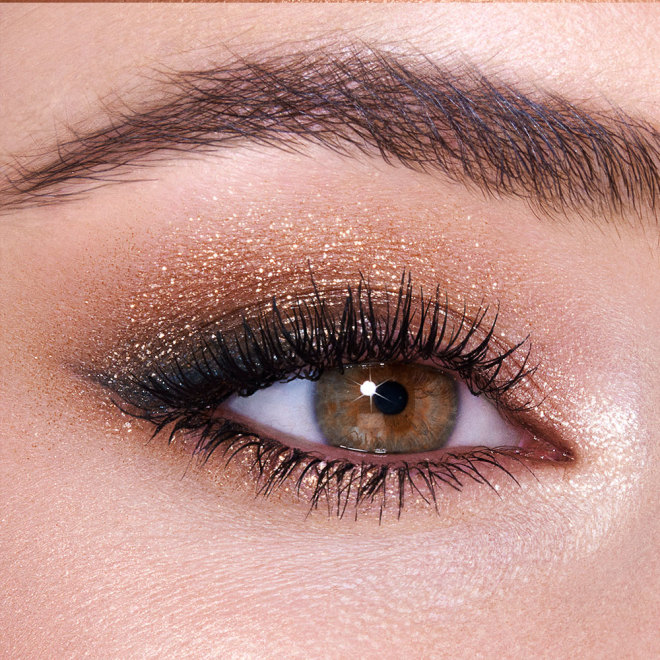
(346, 400)
(377, 408)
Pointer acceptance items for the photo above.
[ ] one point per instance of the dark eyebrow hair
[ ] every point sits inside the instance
(558, 155)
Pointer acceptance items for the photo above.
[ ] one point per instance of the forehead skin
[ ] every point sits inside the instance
(134, 581)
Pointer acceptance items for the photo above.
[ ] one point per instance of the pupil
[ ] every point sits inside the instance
(391, 398)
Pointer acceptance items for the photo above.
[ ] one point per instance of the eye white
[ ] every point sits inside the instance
(287, 411)
(284, 408)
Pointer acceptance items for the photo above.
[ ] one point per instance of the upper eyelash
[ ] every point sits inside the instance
(311, 337)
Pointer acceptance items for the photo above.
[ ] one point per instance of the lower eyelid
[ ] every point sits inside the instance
(234, 455)
(364, 484)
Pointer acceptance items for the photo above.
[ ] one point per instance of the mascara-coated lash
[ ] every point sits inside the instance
(304, 339)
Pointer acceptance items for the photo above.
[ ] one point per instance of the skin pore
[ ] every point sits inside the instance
(118, 546)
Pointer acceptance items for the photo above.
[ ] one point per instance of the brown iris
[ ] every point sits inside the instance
(386, 408)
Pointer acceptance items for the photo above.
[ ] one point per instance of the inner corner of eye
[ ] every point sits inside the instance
(376, 408)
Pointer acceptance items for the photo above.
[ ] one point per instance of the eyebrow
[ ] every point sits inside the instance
(557, 154)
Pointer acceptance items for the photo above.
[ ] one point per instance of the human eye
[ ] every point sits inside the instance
(366, 398)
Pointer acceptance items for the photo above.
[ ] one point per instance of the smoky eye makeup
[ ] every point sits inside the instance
(358, 398)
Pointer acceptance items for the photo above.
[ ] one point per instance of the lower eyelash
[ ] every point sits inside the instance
(343, 485)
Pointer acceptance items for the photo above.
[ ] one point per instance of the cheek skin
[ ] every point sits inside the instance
(167, 560)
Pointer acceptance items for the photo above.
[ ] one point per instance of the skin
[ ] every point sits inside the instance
(106, 548)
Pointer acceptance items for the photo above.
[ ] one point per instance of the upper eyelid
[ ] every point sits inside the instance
(463, 340)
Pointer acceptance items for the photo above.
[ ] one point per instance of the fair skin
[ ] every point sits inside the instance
(115, 546)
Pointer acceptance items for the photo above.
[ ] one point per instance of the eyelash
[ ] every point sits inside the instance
(303, 342)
